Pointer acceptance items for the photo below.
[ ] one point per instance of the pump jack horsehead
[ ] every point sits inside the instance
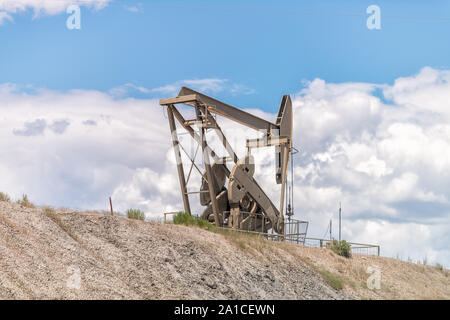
(243, 204)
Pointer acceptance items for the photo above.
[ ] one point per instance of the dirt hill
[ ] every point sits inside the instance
(119, 258)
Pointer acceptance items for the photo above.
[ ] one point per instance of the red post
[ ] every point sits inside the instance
(110, 204)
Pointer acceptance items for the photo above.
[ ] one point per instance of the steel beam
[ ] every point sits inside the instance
(184, 99)
(197, 138)
(227, 111)
(285, 161)
(206, 160)
(259, 143)
(176, 149)
(224, 140)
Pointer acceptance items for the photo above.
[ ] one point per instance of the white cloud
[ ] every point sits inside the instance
(208, 86)
(75, 148)
(133, 9)
(211, 85)
(44, 7)
(387, 162)
(4, 16)
(128, 88)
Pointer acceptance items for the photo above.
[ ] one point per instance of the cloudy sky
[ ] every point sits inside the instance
(80, 119)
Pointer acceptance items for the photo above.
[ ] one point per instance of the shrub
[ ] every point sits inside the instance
(183, 218)
(341, 248)
(4, 197)
(439, 266)
(135, 214)
(24, 202)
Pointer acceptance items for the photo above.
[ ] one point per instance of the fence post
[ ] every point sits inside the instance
(110, 205)
(321, 243)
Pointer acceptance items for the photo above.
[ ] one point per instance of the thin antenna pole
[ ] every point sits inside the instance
(286, 209)
(331, 225)
(289, 204)
(292, 182)
(340, 221)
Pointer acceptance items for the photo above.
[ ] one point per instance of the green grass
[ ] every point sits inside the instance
(4, 197)
(341, 248)
(333, 279)
(135, 214)
(186, 219)
(25, 202)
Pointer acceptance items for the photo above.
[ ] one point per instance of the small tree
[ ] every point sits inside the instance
(135, 214)
(341, 248)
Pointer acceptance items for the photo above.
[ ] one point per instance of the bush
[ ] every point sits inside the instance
(439, 266)
(25, 202)
(341, 248)
(135, 214)
(183, 218)
(4, 197)
(188, 220)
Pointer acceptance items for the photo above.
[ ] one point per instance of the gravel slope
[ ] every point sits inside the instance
(120, 258)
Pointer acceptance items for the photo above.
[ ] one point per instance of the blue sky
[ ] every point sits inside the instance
(268, 48)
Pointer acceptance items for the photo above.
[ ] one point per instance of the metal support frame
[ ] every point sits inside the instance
(200, 117)
(176, 148)
(277, 134)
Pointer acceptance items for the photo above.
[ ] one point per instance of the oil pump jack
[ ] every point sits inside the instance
(242, 204)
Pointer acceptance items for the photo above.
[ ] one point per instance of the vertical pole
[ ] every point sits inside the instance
(176, 149)
(206, 160)
(339, 221)
(110, 205)
(292, 183)
(331, 225)
(286, 199)
(283, 177)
